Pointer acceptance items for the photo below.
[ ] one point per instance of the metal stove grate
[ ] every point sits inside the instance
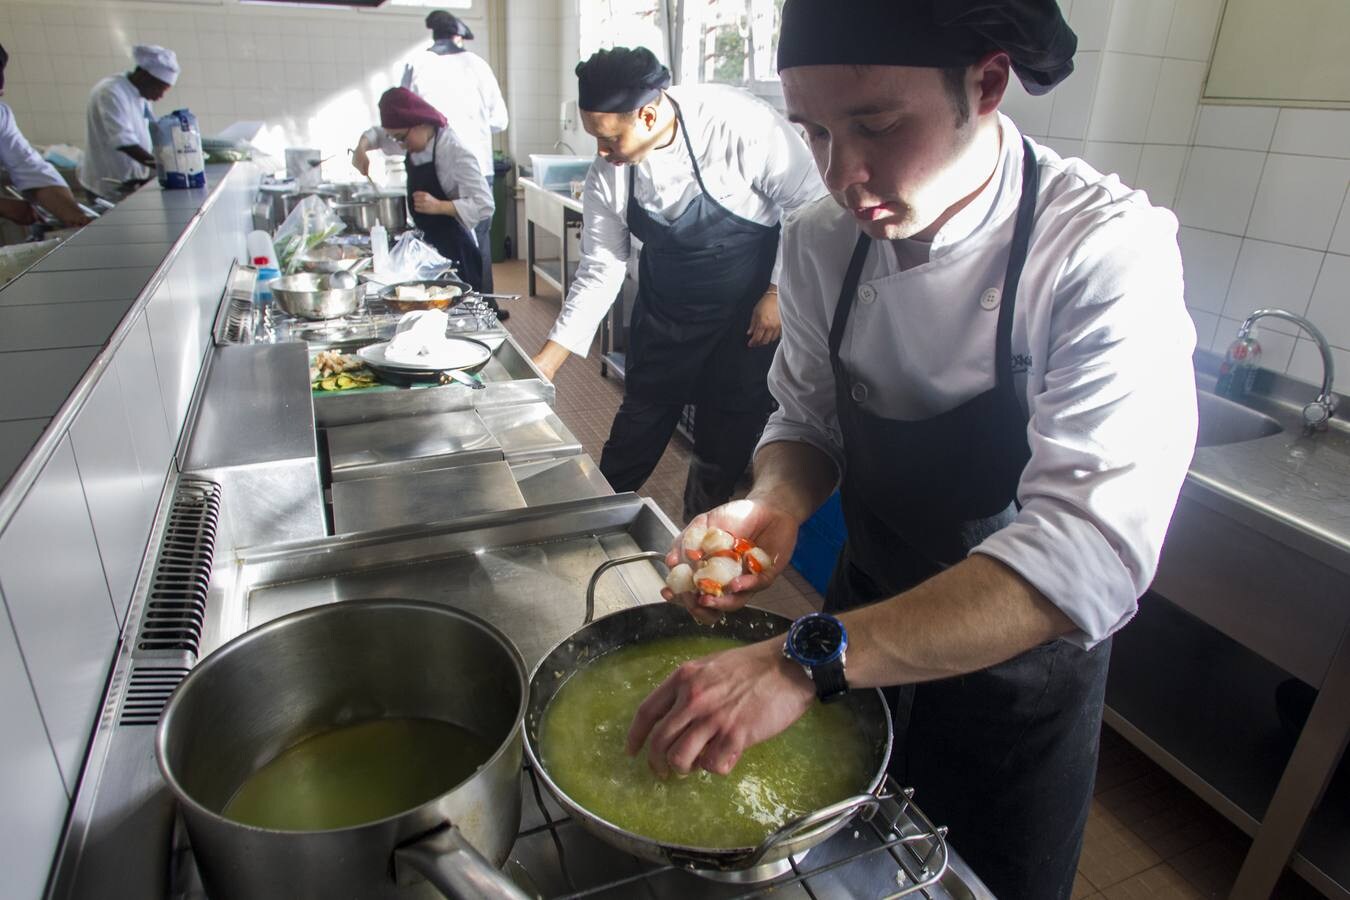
(900, 837)
(175, 609)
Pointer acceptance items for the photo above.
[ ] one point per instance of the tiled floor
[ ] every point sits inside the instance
(1148, 837)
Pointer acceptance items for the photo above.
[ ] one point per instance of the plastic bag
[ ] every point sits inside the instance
(413, 259)
(311, 223)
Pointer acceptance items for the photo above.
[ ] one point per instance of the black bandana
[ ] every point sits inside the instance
(445, 26)
(620, 80)
(930, 33)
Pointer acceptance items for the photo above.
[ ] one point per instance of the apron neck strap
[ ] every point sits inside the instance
(1017, 258)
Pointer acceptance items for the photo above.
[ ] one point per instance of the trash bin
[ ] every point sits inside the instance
(502, 196)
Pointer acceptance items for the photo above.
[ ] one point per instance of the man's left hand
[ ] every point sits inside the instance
(709, 710)
(765, 326)
(425, 203)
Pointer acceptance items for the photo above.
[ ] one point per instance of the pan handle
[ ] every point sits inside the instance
(454, 867)
(842, 809)
(605, 567)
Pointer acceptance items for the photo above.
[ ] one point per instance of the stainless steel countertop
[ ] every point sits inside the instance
(413, 498)
(370, 449)
(1292, 487)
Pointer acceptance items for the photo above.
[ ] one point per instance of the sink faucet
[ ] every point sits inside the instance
(560, 144)
(1318, 412)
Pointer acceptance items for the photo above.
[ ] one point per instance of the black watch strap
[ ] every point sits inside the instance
(830, 681)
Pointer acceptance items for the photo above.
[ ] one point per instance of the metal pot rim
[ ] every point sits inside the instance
(240, 643)
(721, 858)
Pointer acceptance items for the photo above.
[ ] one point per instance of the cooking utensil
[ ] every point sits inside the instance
(391, 209)
(329, 258)
(661, 620)
(312, 296)
(358, 215)
(389, 294)
(462, 356)
(336, 665)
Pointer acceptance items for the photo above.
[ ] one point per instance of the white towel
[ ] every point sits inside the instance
(420, 334)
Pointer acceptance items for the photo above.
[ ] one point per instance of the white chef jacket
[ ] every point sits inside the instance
(118, 116)
(462, 87)
(1101, 345)
(753, 163)
(27, 169)
(456, 169)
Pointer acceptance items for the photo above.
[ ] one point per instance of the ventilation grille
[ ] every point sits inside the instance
(238, 324)
(148, 690)
(175, 609)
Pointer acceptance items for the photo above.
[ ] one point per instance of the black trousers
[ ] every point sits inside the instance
(1006, 758)
(723, 441)
(483, 231)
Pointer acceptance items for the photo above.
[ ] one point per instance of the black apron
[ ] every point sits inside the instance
(699, 278)
(446, 233)
(1005, 756)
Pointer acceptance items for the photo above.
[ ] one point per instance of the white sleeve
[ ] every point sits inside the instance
(605, 247)
(781, 169)
(462, 177)
(26, 168)
(121, 119)
(801, 379)
(379, 139)
(494, 107)
(1112, 430)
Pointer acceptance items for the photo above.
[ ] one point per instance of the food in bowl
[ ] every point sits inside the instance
(824, 757)
(409, 297)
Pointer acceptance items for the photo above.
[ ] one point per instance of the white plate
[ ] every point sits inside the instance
(456, 353)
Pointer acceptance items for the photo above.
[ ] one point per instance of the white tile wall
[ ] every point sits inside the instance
(1340, 238)
(1121, 160)
(1124, 97)
(1329, 308)
(1140, 26)
(1177, 102)
(1272, 275)
(1293, 204)
(1218, 189)
(1073, 98)
(1315, 132)
(1236, 127)
(1160, 168)
(1209, 260)
(312, 75)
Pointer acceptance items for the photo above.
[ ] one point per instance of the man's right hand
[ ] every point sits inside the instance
(550, 359)
(759, 521)
(361, 160)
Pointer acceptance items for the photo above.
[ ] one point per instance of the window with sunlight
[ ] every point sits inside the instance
(730, 41)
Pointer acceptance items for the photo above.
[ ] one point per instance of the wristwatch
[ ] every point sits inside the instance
(817, 642)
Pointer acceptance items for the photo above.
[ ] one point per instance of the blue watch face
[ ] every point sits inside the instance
(817, 639)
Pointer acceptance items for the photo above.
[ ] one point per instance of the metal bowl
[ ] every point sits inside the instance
(329, 258)
(313, 296)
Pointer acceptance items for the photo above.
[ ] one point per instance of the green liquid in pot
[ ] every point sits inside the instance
(819, 760)
(358, 773)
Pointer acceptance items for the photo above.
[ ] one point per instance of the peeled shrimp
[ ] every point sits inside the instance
(715, 574)
(693, 538)
(756, 560)
(717, 541)
(681, 580)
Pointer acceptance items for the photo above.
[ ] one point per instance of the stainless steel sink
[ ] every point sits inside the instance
(1224, 422)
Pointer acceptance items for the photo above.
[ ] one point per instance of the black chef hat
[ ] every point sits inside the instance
(446, 25)
(936, 33)
(620, 80)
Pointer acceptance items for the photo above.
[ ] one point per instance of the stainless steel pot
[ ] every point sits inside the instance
(337, 664)
(312, 296)
(359, 215)
(391, 207)
(329, 258)
(659, 620)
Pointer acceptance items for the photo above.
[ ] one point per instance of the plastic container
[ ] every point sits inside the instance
(261, 253)
(556, 173)
(177, 143)
(262, 293)
(819, 541)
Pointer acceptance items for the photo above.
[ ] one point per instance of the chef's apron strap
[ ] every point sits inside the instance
(1017, 258)
(854, 272)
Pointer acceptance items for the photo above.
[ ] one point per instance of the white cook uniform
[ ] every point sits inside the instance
(457, 170)
(27, 169)
(462, 87)
(753, 162)
(118, 116)
(1101, 345)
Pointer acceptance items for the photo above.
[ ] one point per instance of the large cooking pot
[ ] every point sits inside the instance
(314, 296)
(662, 620)
(391, 208)
(359, 215)
(341, 664)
